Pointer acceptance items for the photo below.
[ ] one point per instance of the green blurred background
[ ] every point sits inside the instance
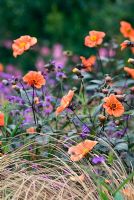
(60, 21)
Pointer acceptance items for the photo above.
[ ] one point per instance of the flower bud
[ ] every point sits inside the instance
(36, 100)
(77, 72)
(15, 87)
(117, 122)
(5, 82)
(132, 90)
(131, 61)
(120, 97)
(104, 91)
(102, 118)
(118, 92)
(108, 79)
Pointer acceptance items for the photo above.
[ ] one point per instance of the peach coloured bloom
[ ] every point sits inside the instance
(31, 130)
(65, 101)
(23, 44)
(113, 106)
(130, 71)
(126, 29)
(88, 63)
(80, 150)
(1, 67)
(94, 39)
(34, 79)
(2, 121)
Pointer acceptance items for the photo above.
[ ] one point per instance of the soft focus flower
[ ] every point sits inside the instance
(80, 150)
(94, 39)
(44, 51)
(31, 130)
(23, 44)
(40, 63)
(35, 79)
(106, 53)
(65, 101)
(60, 75)
(113, 106)
(1, 67)
(126, 29)
(2, 121)
(98, 160)
(88, 63)
(58, 55)
(125, 44)
(130, 71)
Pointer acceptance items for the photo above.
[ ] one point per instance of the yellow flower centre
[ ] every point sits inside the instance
(129, 30)
(22, 44)
(113, 106)
(93, 38)
(85, 150)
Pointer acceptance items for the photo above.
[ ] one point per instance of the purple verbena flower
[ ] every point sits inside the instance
(85, 132)
(98, 160)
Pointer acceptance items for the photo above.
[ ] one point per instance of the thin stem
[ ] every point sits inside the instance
(80, 119)
(33, 106)
(25, 92)
(100, 62)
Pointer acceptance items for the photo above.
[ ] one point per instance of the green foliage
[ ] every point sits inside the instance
(63, 21)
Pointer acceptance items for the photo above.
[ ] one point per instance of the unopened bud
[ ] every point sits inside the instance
(36, 100)
(120, 97)
(108, 79)
(132, 90)
(5, 82)
(131, 61)
(105, 91)
(77, 72)
(102, 118)
(117, 122)
(118, 92)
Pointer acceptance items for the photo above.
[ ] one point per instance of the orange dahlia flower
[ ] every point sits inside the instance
(80, 150)
(23, 44)
(113, 106)
(34, 79)
(94, 39)
(2, 121)
(130, 71)
(126, 29)
(65, 101)
(88, 63)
